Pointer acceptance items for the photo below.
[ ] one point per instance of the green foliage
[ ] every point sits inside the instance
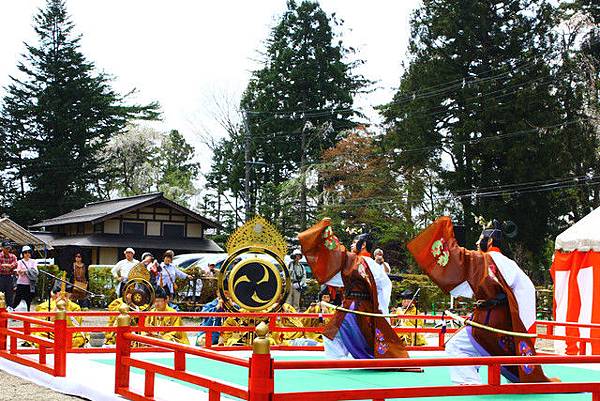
(55, 118)
(483, 105)
(102, 283)
(44, 284)
(430, 298)
(177, 168)
(311, 294)
(305, 69)
(545, 302)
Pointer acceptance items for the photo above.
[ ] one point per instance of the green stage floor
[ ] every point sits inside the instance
(311, 380)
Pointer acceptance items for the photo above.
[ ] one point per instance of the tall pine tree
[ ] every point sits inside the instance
(177, 170)
(577, 91)
(56, 117)
(476, 108)
(296, 105)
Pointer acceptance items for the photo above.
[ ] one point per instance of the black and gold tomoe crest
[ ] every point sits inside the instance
(138, 293)
(254, 276)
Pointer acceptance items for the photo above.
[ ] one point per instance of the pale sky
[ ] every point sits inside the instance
(182, 52)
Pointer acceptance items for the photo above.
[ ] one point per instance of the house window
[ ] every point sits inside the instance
(98, 228)
(173, 230)
(135, 228)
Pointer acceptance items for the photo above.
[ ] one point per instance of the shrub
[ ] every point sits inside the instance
(102, 283)
(45, 283)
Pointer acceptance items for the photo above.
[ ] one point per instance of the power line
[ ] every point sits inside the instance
(458, 84)
(559, 185)
(444, 109)
(474, 141)
(424, 93)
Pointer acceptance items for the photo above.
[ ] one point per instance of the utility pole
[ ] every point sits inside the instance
(303, 142)
(247, 202)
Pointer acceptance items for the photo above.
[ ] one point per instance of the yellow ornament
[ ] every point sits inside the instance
(257, 233)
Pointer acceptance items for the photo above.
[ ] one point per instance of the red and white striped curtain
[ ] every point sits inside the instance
(576, 278)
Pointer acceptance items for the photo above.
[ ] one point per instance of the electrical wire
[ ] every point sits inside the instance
(594, 180)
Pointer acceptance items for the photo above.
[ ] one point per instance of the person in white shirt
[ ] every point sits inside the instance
(298, 278)
(121, 270)
(378, 255)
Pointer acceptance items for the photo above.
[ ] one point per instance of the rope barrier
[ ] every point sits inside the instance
(488, 328)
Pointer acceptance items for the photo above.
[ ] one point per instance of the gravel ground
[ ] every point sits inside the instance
(15, 388)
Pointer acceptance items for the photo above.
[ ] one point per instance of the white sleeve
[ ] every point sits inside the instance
(462, 290)
(116, 268)
(336, 281)
(383, 283)
(520, 284)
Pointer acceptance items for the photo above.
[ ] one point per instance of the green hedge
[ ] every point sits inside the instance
(102, 283)
(44, 284)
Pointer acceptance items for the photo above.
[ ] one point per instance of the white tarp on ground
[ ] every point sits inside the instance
(581, 236)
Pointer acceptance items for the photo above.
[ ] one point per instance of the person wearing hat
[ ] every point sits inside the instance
(298, 279)
(27, 274)
(321, 309)
(161, 304)
(408, 307)
(504, 299)
(378, 257)
(8, 265)
(361, 330)
(121, 270)
(114, 306)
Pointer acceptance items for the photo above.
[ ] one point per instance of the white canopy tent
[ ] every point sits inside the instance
(582, 236)
(576, 274)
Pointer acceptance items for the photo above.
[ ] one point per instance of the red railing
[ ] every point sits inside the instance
(9, 337)
(493, 385)
(261, 367)
(124, 362)
(571, 329)
(274, 327)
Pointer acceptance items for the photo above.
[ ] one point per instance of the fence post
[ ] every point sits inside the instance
(60, 339)
(494, 375)
(3, 322)
(123, 349)
(442, 339)
(261, 385)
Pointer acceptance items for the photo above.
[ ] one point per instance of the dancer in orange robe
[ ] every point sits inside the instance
(505, 299)
(349, 335)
